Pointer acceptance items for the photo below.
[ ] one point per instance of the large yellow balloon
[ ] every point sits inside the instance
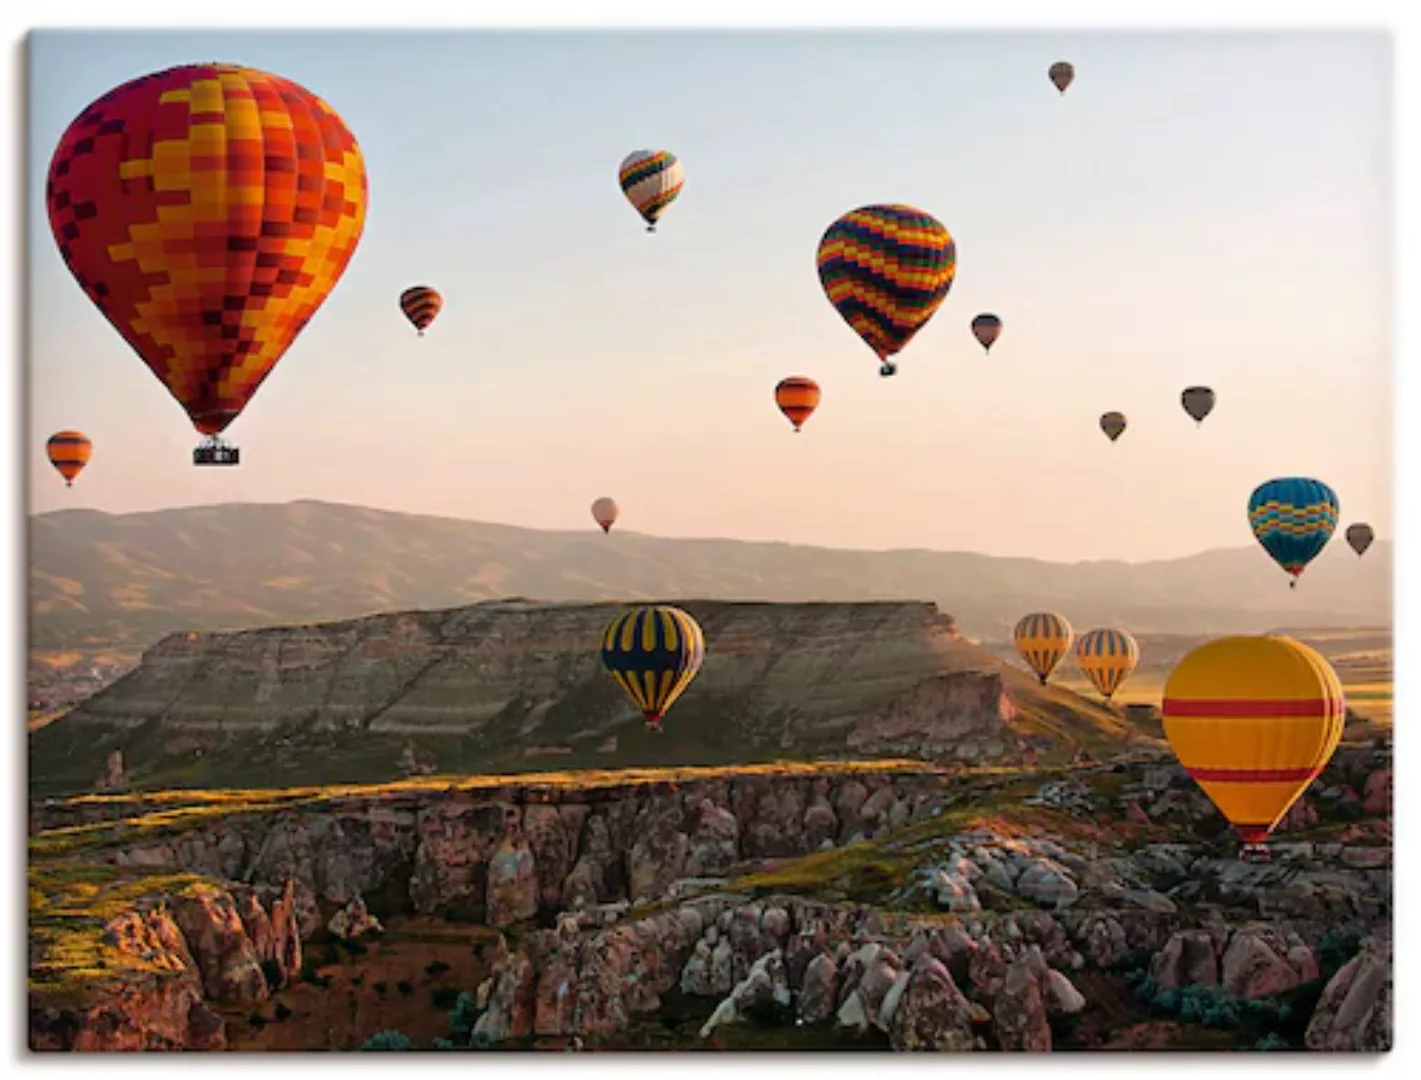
(1253, 720)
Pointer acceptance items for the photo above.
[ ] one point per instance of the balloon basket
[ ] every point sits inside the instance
(1255, 853)
(216, 452)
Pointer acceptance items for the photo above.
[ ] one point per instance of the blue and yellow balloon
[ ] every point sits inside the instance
(653, 653)
(1293, 518)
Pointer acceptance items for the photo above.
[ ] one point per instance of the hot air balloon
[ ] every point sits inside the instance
(653, 653)
(1293, 518)
(421, 303)
(1253, 720)
(1359, 538)
(1042, 639)
(1062, 75)
(886, 269)
(69, 452)
(1198, 402)
(1113, 424)
(651, 180)
(604, 512)
(208, 210)
(797, 397)
(986, 329)
(1107, 657)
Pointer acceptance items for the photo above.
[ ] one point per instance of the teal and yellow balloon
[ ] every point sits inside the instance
(887, 269)
(653, 653)
(1293, 518)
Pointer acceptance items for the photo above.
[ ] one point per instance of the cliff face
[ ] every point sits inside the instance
(492, 685)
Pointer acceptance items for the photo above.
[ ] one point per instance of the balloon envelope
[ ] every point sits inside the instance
(69, 452)
(986, 329)
(1198, 402)
(208, 211)
(1113, 424)
(421, 303)
(604, 512)
(1253, 720)
(797, 397)
(651, 180)
(653, 653)
(1359, 537)
(1107, 657)
(1293, 518)
(886, 269)
(1061, 74)
(1043, 639)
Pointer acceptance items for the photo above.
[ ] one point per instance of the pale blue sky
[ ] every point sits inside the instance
(1198, 208)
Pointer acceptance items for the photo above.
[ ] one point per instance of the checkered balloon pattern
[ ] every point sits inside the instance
(208, 210)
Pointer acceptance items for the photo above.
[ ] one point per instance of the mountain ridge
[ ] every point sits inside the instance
(99, 578)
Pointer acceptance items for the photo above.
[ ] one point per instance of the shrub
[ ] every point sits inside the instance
(380, 987)
(387, 1040)
(464, 1016)
(404, 987)
(1271, 1042)
(444, 997)
(329, 955)
(256, 1019)
(354, 946)
(271, 972)
(358, 980)
(282, 1012)
(436, 968)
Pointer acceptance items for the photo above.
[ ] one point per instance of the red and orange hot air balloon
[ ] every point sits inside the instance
(797, 397)
(69, 452)
(208, 210)
(1253, 720)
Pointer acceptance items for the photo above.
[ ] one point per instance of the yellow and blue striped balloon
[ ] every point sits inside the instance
(886, 270)
(1043, 638)
(1293, 518)
(653, 653)
(1107, 657)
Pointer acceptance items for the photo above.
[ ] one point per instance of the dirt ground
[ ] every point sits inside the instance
(353, 1008)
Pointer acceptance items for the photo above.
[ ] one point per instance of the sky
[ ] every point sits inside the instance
(1199, 208)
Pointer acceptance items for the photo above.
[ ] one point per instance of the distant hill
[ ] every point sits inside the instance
(131, 578)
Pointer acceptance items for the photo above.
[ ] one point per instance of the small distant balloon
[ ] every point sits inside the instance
(1043, 638)
(797, 397)
(1113, 424)
(69, 452)
(986, 329)
(1293, 518)
(604, 512)
(1198, 402)
(1107, 657)
(1062, 75)
(651, 180)
(1359, 538)
(421, 304)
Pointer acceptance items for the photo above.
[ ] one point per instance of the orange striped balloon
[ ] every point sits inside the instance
(1253, 720)
(797, 397)
(69, 452)
(1107, 656)
(421, 303)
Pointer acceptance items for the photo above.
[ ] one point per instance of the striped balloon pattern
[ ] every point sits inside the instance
(69, 452)
(653, 653)
(1043, 639)
(887, 269)
(1293, 518)
(797, 397)
(1107, 657)
(1253, 720)
(421, 304)
(651, 180)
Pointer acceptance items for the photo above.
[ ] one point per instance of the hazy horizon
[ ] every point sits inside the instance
(1196, 209)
